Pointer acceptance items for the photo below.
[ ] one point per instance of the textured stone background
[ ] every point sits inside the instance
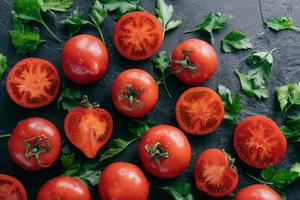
(248, 15)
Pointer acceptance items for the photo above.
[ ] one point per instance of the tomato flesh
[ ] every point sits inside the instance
(199, 110)
(259, 141)
(138, 35)
(33, 83)
(11, 188)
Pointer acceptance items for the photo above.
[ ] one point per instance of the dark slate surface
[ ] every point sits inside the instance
(248, 15)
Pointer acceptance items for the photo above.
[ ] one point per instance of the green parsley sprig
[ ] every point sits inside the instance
(291, 128)
(288, 96)
(235, 41)
(282, 23)
(3, 64)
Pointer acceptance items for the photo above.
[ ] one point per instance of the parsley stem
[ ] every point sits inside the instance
(165, 85)
(258, 180)
(295, 28)
(49, 30)
(141, 9)
(101, 34)
(5, 135)
(191, 30)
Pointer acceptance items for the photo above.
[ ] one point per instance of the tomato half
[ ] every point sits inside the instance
(138, 35)
(33, 83)
(88, 129)
(165, 151)
(194, 61)
(123, 181)
(134, 93)
(11, 188)
(84, 59)
(199, 110)
(259, 141)
(34, 144)
(257, 192)
(215, 174)
(64, 188)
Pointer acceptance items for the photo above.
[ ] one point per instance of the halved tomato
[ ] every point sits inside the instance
(11, 188)
(259, 142)
(33, 83)
(88, 129)
(215, 174)
(199, 110)
(138, 35)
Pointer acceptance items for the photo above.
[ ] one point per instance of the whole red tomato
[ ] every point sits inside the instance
(84, 59)
(64, 188)
(34, 144)
(214, 173)
(164, 151)
(194, 61)
(134, 93)
(123, 181)
(257, 192)
(11, 188)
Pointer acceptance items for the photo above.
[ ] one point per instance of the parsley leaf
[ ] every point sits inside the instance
(253, 83)
(288, 95)
(138, 127)
(56, 5)
(3, 64)
(120, 7)
(69, 99)
(67, 157)
(24, 38)
(179, 190)
(75, 21)
(291, 128)
(213, 21)
(232, 105)
(162, 63)
(164, 14)
(234, 41)
(282, 23)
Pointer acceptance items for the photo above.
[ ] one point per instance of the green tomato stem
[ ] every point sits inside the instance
(49, 30)
(295, 28)
(5, 135)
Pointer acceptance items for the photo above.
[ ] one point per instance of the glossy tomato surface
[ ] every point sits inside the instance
(259, 141)
(88, 129)
(33, 83)
(134, 93)
(64, 188)
(257, 192)
(84, 59)
(11, 188)
(138, 35)
(164, 151)
(194, 61)
(199, 110)
(123, 181)
(34, 144)
(214, 173)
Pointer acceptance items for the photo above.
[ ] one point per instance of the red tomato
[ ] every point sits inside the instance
(64, 188)
(215, 173)
(33, 83)
(88, 128)
(34, 144)
(194, 61)
(134, 93)
(84, 59)
(257, 192)
(199, 110)
(165, 151)
(138, 35)
(123, 181)
(11, 188)
(259, 141)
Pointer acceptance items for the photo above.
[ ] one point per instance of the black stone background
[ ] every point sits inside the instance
(248, 15)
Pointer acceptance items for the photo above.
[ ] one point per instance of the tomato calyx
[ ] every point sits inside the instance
(186, 62)
(132, 95)
(36, 146)
(85, 102)
(156, 152)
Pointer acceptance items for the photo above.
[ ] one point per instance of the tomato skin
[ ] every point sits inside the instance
(32, 129)
(262, 135)
(174, 142)
(199, 110)
(213, 170)
(143, 83)
(131, 181)
(88, 129)
(202, 55)
(138, 35)
(64, 188)
(84, 59)
(257, 192)
(33, 83)
(11, 188)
